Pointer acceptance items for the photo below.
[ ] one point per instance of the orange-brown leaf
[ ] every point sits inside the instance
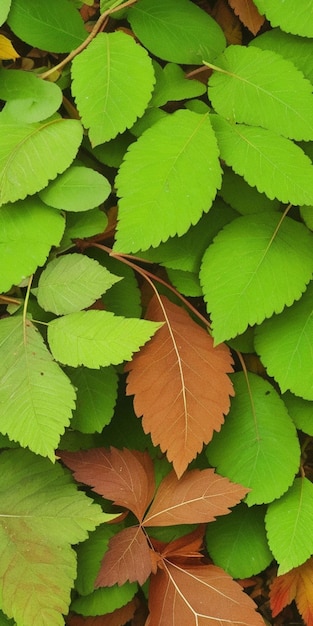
(198, 497)
(118, 618)
(228, 22)
(295, 585)
(127, 558)
(248, 14)
(202, 595)
(180, 383)
(124, 476)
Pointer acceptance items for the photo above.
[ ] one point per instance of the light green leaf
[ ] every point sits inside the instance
(89, 557)
(238, 543)
(42, 514)
(296, 49)
(28, 229)
(292, 17)
(30, 99)
(185, 282)
(306, 213)
(112, 84)
(245, 199)
(4, 10)
(97, 338)
(36, 396)
(269, 267)
(245, 450)
(300, 411)
(77, 189)
(55, 26)
(288, 521)
(71, 283)
(33, 154)
(106, 600)
(81, 225)
(150, 117)
(176, 30)
(269, 162)
(285, 345)
(96, 393)
(161, 192)
(172, 85)
(253, 86)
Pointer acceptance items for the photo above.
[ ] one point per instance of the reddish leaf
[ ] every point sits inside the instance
(295, 585)
(118, 618)
(202, 595)
(127, 558)
(180, 384)
(186, 547)
(124, 476)
(198, 497)
(248, 14)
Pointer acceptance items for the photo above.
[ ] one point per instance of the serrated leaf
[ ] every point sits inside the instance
(155, 179)
(4, 10)
(97, 338)
(287, 521)
(243, 198)
(96, 393)
(55, 26)
(28, 155)
(103, 601)
(252, 86)
(78, 189)
(7, 52)
(248, 14)
(294, 585)
(166, 384)
(245, 450)
(267, 161)
(300, 412)
(42, 513)
(269, 268)
(127, 559)
(112, 85)
(291, 17)
(29, 98)
(81, 225)
(238, 543)
(36, 396)
(28, 230)
(292, 334)
(292, 47)
(172, 84)
(71, 283)
(176, 30)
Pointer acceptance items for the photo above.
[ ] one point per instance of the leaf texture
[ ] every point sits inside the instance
(127, 559)
(248, 14)
(78, 189)
(118, 618)
(155, 178)
(295, 585)
(28, 98)
(267, 161)
(290, 17)
(104, 600)
(268, 269)
(296, 49)
(96, 394)
(180, 384)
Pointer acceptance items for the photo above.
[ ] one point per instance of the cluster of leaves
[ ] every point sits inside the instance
(196, 120)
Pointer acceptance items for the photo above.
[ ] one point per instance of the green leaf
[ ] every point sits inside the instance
(176, 30)
(112, 84)
(37, 398)
(55, 26)
(124, 298)
(306, 213)
(29, 98)
(96, 394)
(112, 152)
(81, 225)
(245, 450)
(185, 282)
(296, 49)
(253, 86)
(71, 283)
(103, 601)
(267, 161)
(150, 117)
(97, 338)
(77, 189)
(300, 412)
(238, 543)
(154, 181)
(28, 229)
(4, 10)
(42, 514)
(285, 345)
(245, 199)
(172, 84)
(270, 264)
(33, 154)
(89, 557)
(290, 16)
(287, 523)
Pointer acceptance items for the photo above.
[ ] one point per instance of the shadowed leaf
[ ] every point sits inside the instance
(128, 558)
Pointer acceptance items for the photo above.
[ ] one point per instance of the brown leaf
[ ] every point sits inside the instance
(229, 22)
(118, 618)
(124, 476)
(186, 547)
(248, 14)
(198, 497)
(127, 558)
(202, 595)
(295, 585)
(180, 384)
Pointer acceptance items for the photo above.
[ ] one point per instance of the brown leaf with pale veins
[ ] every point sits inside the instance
(180, 383)
(295, 585)
(119, 617)
(128, 558)
(124, 476)
(248, 14)
(201, 595)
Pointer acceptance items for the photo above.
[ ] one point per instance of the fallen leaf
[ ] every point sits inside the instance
(296, 585)
(180, 383)
(128, 558)
(248, 14)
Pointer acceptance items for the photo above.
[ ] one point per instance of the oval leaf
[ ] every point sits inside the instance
(77, 189)
(29, 98)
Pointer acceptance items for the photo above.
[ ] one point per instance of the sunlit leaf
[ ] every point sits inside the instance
(29, 99)
(291, 17)
(7, 52)
(294, 585)
(77, 189)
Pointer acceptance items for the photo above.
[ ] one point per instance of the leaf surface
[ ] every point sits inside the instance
(267, 161)
(154, 180)
(118, 618)
(78, 189)
(81, 225)
(296, 49)
(294, 585)
(96, 393)
(112, 84)
(127, 559)
(172, 84)
(180, 384)
(246, 448)
(7, 52)
(104, 600)
(248, 14)
(89, 557)
(4, 10)
(37, 398)
(268, 269)
(29, 99)
(290, 17)
(300, 411)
